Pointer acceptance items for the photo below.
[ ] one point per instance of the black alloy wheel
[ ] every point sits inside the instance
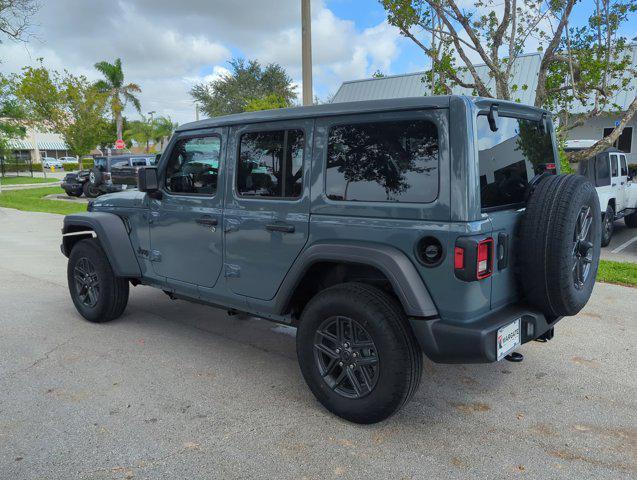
(582, 247)
(346, 357)
(87, 284)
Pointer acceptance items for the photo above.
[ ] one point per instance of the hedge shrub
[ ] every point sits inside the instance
(21, 167)
(71, 166)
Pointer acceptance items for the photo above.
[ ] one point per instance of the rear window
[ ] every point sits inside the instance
(383, 162)
(509, 158)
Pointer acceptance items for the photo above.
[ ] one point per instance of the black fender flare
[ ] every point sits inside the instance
(399, 270)
(112, 235)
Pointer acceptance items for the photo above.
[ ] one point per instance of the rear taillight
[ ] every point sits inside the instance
(473, 258)
(484, 260)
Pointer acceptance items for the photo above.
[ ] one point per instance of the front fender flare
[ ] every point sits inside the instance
(112, 235)
(399, 270)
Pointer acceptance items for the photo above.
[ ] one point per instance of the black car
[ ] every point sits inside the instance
(109, 174)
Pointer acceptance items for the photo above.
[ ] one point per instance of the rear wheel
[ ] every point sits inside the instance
(608, 225)
(357, 352)
(90, 190)
(560, 244)
(96, 292)
(631, 220)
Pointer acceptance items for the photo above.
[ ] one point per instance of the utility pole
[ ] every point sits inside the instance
(306, 41)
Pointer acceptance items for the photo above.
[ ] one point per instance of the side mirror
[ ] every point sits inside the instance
(147, 180)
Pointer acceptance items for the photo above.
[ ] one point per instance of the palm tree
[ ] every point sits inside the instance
(118, 93)
(141, 131)
(163, 129)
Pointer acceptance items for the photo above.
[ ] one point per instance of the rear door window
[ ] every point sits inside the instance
(383, 162)
(509, 158)
(602, 170)
(614, 171)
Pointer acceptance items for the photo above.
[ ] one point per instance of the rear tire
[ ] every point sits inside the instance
(631, 220)
(560, 245)
(98, 295)
(90, 191)
(374, 381)
(608, 225)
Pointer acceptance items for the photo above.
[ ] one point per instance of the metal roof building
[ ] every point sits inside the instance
(524, 73)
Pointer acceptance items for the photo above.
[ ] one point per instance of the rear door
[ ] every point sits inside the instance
(509, 158)
(267, 209)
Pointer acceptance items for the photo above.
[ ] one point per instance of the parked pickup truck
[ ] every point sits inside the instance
(379, 229)
(617, 192)
(108, 175)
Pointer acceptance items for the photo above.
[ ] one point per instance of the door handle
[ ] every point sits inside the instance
(207, 221)
(613, 185)
(280, 227)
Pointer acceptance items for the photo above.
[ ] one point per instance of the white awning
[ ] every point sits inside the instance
(52, 145)
(18, 144)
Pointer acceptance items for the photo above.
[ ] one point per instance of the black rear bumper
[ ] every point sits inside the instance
(475, 341)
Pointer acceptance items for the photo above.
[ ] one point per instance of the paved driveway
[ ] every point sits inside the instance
(173, 390)
(623, 244)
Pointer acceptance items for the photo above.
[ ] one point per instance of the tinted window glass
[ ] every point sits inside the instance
(271, 164)
(602, 170)
(624, 166)
(100, 162)
(193, 166)
(625, 140)
(613, 166)
(383, 162)
(509, 158)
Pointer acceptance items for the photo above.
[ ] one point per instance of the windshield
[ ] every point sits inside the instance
(510, 157)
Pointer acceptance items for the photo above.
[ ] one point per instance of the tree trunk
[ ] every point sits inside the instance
(119, 122)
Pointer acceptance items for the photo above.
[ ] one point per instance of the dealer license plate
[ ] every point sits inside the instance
(124, 186)
(508, 339)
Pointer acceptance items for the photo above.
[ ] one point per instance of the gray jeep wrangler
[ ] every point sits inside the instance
(380, 229)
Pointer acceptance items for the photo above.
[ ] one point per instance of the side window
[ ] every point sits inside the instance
(602, 170)
(270, 164)
(193, 166)
(624, 165)
(383, 162)
(613, 166)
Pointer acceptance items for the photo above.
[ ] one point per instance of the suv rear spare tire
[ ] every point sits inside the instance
(560, 244)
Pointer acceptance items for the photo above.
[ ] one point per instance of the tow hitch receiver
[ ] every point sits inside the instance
(546, 336)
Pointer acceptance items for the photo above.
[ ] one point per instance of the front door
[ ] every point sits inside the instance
(615, 181)
(267, 209)
(185, 223)
(622, 194)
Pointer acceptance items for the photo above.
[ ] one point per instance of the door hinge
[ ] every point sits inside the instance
(232, 271)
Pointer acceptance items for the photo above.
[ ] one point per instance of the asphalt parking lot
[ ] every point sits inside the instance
(623, 244)
(174, 390)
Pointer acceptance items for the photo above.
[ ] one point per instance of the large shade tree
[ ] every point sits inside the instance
(16, 18)
(249, 86)
(582, 66)
(119, 93)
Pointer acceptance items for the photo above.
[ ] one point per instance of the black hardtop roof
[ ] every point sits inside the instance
(346, 108)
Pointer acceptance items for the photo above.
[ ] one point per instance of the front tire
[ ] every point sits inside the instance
(357, 352)
(608, 225)
(98, 295)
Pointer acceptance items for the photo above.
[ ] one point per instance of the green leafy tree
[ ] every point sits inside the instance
(249, 84)
(576, 64)
(12, 116)
(119, 94)
(269, 102)
(67, 104)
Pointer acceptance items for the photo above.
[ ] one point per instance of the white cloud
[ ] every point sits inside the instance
(167, 46)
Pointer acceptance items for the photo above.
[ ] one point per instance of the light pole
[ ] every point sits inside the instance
(306, 41)
(151, 113)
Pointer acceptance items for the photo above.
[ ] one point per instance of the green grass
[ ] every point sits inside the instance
(26, 180)
(31, 200)
(617, 272)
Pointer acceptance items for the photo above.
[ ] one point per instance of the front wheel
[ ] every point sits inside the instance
(357, 352)
(608, 225)
(98, 295)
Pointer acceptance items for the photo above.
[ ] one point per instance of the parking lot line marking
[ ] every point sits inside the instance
(624, 245)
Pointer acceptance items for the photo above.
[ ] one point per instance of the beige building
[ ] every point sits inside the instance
(37, 144)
